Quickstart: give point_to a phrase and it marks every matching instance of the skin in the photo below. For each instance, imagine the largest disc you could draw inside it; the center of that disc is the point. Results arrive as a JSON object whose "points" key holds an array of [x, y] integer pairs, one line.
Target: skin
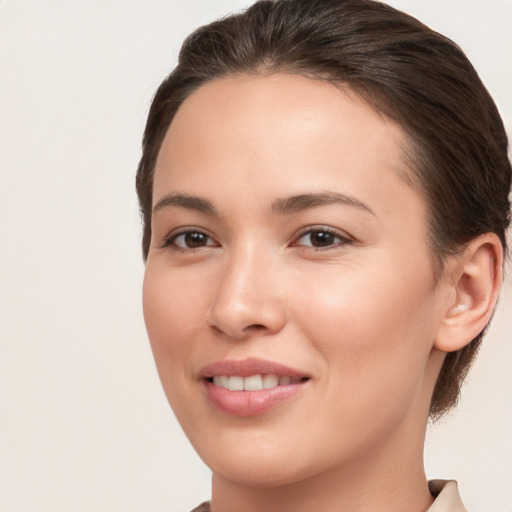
{"points": [[360, 316]]}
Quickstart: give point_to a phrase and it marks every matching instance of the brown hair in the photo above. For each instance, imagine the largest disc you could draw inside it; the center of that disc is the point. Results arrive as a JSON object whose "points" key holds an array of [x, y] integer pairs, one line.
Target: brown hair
{"points": [[405, 70]]}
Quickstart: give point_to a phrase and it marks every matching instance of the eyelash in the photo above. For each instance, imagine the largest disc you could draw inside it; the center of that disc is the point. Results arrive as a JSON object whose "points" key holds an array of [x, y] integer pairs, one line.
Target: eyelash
{"points": [[170, 240], [343, 239]]}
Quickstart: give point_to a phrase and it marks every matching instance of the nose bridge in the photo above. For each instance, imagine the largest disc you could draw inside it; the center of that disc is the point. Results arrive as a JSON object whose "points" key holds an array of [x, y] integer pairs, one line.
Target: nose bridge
{"points": [[246, 299]]}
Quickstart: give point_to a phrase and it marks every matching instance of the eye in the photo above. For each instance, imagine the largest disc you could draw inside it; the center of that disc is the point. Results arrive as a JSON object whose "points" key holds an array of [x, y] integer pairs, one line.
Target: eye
{"points": [[191, 239], [321, 238]]}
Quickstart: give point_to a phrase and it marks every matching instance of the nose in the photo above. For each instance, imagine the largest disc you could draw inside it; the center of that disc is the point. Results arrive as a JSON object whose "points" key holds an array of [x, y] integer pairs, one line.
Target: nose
{"points": [[247, 300]]}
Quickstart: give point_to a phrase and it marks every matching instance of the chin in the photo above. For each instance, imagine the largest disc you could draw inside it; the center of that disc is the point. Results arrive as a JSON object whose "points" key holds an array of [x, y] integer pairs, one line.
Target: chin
{"points": [[258, 473], [262, 464], [250, 459]]}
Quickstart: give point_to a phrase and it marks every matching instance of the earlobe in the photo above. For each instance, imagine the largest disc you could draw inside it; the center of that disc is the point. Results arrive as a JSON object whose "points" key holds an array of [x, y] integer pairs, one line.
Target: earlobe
{"points": [[476, 275]]}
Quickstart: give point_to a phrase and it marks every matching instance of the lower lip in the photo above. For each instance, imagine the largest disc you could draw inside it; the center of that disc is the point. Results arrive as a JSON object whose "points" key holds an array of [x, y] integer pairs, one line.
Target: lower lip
{"points": [[250, 403]]}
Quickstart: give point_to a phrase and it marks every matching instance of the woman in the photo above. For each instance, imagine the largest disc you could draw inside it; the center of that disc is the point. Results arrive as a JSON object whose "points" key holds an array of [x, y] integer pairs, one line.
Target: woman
{"points": [[324, 189]]}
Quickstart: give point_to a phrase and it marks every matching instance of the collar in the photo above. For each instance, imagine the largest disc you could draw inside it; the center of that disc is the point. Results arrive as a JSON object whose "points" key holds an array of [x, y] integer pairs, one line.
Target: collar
{"points": [[446, 495]]}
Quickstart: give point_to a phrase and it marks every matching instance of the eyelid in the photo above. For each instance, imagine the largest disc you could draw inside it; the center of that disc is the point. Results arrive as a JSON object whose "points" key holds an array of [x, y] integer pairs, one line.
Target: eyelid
{"points": [[344, 237], [168, 239]]}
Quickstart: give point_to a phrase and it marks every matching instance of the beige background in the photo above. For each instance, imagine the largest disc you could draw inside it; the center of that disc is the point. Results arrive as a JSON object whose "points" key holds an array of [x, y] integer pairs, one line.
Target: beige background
{"points": [[84, 425]]}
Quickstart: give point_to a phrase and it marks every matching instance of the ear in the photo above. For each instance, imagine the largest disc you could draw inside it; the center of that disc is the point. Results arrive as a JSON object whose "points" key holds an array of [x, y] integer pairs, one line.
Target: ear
{"points": [[474, 281]]}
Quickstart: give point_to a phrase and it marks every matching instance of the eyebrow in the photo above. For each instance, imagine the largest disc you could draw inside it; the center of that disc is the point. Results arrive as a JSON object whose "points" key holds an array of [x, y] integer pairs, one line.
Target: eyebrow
{"points": [[185, 201], [301, 202], [287, 205]]}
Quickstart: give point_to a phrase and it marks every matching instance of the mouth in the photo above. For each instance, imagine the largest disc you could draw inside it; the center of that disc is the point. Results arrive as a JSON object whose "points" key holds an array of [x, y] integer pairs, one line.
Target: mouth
{"points": [[254, 382], [250, 387]]}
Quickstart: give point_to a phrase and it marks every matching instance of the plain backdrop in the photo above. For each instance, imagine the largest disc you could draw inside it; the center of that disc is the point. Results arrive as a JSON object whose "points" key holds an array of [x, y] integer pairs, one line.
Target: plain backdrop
{"points": [[84, 425]]}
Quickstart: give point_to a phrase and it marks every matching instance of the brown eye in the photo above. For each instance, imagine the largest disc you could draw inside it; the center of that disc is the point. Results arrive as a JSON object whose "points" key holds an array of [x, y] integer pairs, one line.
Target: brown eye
{"points": [[321, 238], [191, 240]]}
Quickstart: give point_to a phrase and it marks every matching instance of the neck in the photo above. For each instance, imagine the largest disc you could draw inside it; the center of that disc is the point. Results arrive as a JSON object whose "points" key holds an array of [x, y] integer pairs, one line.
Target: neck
{"points": [[376, 483]]}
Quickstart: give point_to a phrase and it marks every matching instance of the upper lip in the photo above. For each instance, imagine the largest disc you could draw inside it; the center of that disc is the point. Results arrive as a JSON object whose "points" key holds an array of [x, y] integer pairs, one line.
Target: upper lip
{"points": [[248, 367]]}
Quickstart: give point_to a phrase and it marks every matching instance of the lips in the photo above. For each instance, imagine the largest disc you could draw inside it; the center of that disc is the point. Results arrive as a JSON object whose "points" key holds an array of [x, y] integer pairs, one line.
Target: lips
{"points": [[253, 382], [250, 387]]}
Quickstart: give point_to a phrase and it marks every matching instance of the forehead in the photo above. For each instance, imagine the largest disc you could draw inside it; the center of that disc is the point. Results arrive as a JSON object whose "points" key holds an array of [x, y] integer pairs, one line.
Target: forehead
{"points": [[279, 110], [281, 134]]}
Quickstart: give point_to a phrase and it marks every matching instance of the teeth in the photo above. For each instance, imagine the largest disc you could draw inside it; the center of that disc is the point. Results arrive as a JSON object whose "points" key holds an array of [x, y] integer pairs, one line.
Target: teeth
{"points": [[270, 381], [236, 383], [253, 382], [222, 381]]}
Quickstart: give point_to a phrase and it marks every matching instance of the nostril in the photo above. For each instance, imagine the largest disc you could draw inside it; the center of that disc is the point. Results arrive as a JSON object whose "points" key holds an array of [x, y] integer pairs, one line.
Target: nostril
{"points": [[255, 327], [215, 329], [238, 315]]}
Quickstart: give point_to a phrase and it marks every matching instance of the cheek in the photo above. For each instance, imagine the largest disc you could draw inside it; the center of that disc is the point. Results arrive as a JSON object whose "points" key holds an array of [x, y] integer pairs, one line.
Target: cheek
{"points": [[172, 313], [383, 306], [375, 332]]}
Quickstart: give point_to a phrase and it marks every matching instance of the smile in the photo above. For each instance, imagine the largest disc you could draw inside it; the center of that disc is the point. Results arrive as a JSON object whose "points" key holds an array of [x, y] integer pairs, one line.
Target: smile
{"points": [[253, 382], [250, 387]]}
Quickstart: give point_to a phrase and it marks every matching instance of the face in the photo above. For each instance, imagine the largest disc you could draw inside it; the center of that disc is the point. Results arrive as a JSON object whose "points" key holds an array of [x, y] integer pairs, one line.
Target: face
{"points": [[289, 295]]}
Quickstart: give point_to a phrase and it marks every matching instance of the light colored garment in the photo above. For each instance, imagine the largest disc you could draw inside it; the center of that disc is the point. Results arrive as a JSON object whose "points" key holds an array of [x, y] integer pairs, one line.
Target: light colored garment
{"points": [[445, 492], [447, 496]]}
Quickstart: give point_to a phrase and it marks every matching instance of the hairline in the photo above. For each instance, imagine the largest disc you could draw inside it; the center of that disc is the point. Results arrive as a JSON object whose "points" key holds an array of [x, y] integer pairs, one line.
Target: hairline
{"points": [[409, 146]]}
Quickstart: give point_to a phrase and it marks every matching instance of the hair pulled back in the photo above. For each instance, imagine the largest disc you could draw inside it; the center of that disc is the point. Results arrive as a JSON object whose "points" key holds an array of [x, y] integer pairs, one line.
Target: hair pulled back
{"points": [[457, 145]]}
